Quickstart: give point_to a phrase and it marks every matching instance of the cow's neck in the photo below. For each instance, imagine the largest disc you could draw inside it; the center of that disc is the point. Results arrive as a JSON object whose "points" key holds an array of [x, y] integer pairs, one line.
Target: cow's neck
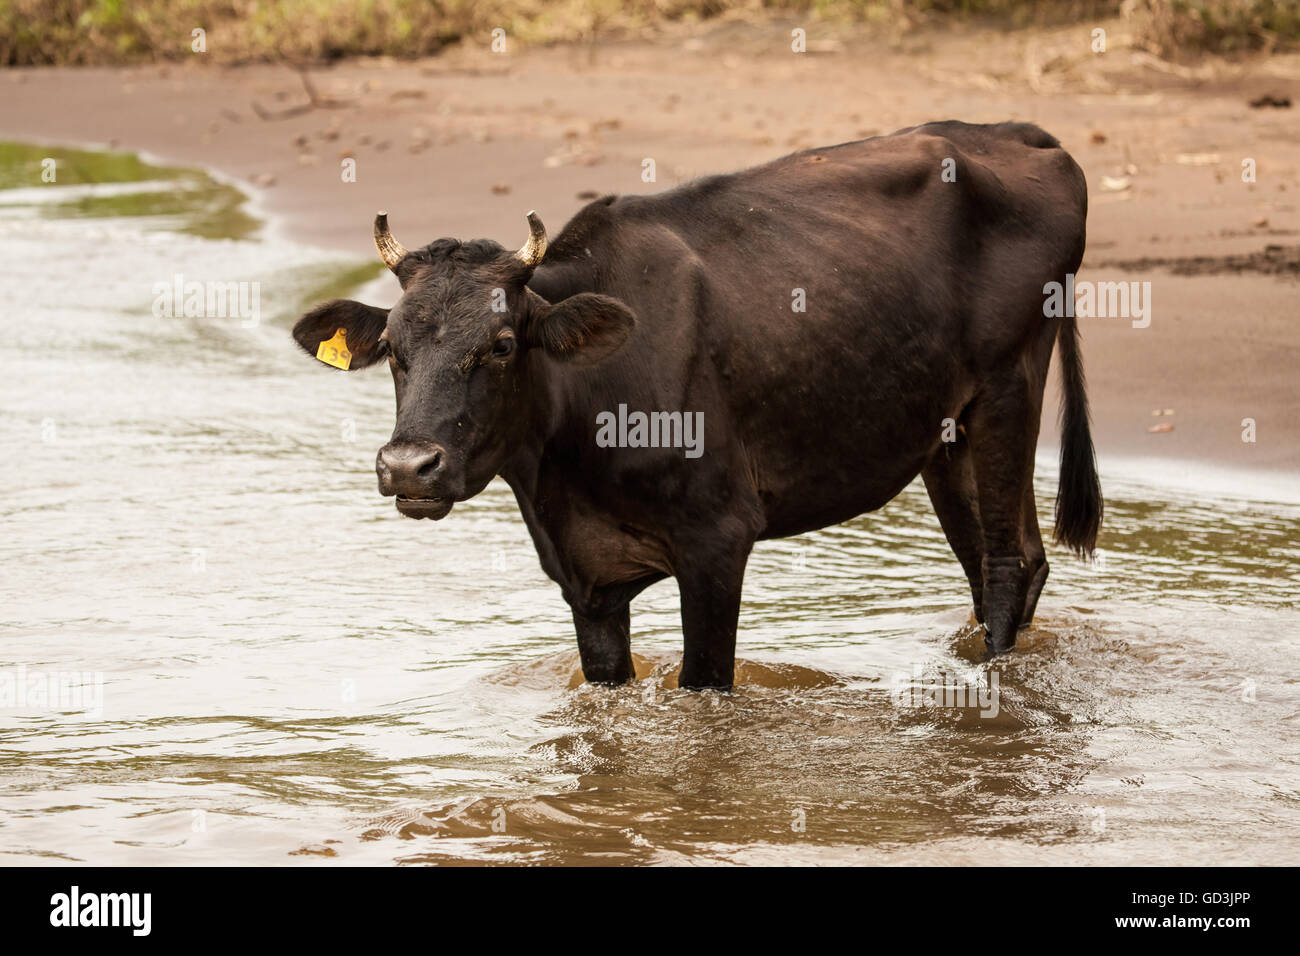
{"points": [[546, 401]]}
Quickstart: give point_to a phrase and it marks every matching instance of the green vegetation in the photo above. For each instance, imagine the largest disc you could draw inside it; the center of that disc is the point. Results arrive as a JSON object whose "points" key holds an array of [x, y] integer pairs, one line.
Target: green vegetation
{"points": [[201, 205], [334, 282], [120, 31], [20, 166]]}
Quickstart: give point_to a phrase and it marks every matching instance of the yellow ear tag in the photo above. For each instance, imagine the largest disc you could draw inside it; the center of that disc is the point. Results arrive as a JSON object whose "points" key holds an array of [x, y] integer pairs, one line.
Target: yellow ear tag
{"points": [[335, 351]]}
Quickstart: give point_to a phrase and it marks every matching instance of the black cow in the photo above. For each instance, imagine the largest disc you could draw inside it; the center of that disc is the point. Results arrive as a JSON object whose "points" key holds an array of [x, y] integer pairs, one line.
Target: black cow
{"points": [[919, 260]]}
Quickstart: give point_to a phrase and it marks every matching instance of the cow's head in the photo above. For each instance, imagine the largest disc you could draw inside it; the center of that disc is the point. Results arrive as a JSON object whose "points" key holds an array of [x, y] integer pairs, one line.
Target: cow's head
{"points": [[465, 343]]}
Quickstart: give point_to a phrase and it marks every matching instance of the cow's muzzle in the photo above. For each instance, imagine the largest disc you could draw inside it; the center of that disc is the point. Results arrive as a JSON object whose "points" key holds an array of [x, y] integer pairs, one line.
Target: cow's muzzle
{"points": [[434, 508], [415, 473]]}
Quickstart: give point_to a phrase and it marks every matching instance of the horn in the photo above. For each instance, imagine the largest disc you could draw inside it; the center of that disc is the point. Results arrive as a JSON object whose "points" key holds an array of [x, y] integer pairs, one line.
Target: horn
{"points": [[390, 250], [533, 250]]}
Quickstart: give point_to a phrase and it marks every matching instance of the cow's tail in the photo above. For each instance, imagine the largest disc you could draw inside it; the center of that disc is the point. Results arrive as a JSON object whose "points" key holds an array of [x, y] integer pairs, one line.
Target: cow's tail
{"points": [[1078, 493]]}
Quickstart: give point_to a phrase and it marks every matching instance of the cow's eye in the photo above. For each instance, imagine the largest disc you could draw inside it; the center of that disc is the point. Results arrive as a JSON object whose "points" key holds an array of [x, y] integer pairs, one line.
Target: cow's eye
{"points": [[395, 363], [503, 346]]}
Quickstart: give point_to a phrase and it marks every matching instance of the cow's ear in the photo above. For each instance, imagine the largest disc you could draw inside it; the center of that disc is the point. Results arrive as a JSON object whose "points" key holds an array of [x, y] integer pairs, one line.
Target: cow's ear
{"points": [[582, 329], [360, 324]]}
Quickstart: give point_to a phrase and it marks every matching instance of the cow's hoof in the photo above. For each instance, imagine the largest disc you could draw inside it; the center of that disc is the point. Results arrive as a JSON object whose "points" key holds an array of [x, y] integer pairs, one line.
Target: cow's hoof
{"points": [[1001, 643], [608, 681]]}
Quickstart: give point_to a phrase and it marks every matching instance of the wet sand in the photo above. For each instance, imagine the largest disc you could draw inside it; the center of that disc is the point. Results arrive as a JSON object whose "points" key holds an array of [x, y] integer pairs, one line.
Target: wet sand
{"points": [[464, 144]]}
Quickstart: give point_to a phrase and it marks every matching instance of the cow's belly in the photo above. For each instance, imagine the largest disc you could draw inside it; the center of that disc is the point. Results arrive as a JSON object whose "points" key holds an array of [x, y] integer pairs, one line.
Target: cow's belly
{"points": [[836, 446], [827, 493]]}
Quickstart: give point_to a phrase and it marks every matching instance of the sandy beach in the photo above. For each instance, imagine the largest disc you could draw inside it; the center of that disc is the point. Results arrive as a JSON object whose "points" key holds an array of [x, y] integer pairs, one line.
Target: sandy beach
{"points": [[465, 143]]}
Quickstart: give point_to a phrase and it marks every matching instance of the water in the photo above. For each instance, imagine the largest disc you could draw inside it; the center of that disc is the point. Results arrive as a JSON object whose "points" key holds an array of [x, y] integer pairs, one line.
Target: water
{"points": [[293, 673]]}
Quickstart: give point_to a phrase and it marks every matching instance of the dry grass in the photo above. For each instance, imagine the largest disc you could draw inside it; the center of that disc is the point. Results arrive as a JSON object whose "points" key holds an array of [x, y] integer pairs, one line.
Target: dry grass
{"points": [[125, 31], [1176, 28]]}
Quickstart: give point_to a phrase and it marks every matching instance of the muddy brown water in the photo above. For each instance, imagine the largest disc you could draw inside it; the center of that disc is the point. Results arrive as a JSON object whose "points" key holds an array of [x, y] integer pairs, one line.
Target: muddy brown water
{"points": [[290, 672]]}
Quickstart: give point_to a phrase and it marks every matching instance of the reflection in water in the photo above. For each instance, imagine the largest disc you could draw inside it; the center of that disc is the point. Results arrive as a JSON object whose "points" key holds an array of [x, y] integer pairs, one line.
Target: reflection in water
{"points": [[294, 673]]}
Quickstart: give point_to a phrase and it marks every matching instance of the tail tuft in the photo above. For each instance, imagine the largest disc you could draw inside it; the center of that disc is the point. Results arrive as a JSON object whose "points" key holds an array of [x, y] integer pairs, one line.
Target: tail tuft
{"points": [[1079, 503]]}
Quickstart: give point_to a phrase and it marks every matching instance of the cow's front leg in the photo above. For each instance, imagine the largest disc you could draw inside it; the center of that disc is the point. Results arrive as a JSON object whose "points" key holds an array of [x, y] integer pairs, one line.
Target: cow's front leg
{"points": [[605, 646], [710, 593]]}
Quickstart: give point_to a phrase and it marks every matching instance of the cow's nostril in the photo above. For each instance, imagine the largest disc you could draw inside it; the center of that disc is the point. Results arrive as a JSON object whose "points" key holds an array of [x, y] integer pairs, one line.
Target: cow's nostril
{"points": [[430, 465]]}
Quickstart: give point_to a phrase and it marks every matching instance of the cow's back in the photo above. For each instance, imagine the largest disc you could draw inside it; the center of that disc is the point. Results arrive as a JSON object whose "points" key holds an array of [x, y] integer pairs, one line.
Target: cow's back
{"points": [[826, 309]]}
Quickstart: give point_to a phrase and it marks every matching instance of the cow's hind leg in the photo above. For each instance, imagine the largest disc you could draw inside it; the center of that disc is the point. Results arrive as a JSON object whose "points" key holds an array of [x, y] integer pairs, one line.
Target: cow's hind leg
{"points": [[1036, 556], [950, 481], [1003, 430]]}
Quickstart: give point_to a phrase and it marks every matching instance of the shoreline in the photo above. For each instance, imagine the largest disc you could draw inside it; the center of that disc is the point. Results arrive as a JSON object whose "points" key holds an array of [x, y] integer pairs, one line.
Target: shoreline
{"points": [[1186, 476], [1224, 343]]}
